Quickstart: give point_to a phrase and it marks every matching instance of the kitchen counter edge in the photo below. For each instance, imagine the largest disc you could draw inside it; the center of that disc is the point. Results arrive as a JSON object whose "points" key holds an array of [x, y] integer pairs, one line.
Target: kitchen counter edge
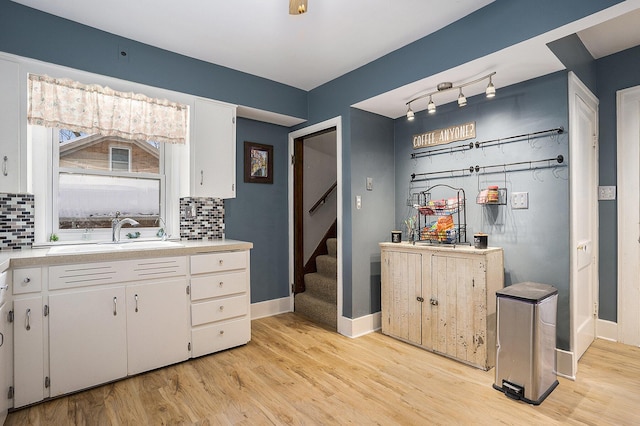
{"points": [[38, 256]]}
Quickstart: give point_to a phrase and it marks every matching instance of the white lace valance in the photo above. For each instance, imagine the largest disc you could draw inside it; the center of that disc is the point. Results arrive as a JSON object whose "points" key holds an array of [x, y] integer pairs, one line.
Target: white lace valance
{"points": [[68, 104]]}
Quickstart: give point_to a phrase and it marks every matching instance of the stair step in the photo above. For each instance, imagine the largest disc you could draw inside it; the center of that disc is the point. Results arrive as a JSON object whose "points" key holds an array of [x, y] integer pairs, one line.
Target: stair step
{"points": [[321, 287], [316, 309], [332, 246], [327, 266]]}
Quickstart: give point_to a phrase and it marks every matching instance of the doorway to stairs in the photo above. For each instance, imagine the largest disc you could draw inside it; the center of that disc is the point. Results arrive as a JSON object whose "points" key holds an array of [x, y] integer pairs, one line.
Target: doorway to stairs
{"points": [[316, 285]]}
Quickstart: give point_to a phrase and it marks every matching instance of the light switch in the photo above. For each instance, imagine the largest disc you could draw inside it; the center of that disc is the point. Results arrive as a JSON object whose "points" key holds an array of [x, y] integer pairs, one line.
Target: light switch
{"points": [[358, 202], [369, 184]]}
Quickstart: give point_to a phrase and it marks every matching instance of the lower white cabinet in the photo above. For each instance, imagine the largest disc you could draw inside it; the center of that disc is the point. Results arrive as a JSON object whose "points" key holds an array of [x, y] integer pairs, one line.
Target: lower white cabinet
{"points": [[87, 338], [157, 324], [5, 359], [28, 351]]}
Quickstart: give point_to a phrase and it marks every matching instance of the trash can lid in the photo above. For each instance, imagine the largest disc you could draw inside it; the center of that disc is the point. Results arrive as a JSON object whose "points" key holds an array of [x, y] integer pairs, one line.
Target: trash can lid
{"points": [[528, 292]]}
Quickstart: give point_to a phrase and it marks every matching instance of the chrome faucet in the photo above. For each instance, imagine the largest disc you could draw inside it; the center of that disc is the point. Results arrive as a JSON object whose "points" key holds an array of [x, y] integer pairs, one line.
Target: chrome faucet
{"points": [[162, 232], [117, 224]]}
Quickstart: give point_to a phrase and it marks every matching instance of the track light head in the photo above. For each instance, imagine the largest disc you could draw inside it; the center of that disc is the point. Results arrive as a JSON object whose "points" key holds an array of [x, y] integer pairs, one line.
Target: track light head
{"points": [[491, 89], [431, 107], [410, 114], [462, 100]]}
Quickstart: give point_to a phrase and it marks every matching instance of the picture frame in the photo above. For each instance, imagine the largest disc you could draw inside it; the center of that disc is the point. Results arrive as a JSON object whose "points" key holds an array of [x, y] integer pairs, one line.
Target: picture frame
{"points": [[258, 162]]}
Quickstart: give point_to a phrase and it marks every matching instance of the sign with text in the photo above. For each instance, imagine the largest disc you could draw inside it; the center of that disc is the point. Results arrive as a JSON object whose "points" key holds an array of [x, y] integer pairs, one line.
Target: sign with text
{"points": [[456, 133]]}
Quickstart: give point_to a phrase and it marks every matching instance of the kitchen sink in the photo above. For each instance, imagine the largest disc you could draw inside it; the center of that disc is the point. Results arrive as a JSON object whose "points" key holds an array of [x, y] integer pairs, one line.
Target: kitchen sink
{"points": [[111, 247]]}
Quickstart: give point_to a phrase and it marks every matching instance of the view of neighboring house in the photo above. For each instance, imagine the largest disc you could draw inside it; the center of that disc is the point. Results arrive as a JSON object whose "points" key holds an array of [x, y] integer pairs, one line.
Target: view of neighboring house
{"points": [[132, 168]]}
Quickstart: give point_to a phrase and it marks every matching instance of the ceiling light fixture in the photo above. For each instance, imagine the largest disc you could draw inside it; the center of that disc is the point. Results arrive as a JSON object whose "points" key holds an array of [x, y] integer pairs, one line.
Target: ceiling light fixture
{"points": [[297, 7], [445, 87], [410, 114]]}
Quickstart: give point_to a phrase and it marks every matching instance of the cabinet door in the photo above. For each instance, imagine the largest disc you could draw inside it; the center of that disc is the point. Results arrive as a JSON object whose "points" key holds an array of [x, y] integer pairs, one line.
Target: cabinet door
{"points": [[28, 351], [9, 127], [5, 361], [157, 324], [452, 313], [88, 340], [213, 150], [401, 291]]}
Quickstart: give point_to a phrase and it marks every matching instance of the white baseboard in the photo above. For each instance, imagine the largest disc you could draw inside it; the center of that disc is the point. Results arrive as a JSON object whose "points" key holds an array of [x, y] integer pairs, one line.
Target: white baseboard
{"points": [[270, 307], [360, 326], [565, 364], [607, 330]]}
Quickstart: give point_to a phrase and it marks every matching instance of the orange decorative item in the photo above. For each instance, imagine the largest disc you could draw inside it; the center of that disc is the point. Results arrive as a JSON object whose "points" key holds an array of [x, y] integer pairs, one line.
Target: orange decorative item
{"points": [[493, 195]]}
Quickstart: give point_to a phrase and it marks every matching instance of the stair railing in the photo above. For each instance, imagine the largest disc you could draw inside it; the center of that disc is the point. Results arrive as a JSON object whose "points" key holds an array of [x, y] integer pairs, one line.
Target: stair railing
{"points": [[323, 199]]}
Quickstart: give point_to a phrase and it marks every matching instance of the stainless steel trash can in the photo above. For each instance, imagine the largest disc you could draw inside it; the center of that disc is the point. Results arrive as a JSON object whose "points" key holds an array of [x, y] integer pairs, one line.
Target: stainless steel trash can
{"points": [[526, 341]]}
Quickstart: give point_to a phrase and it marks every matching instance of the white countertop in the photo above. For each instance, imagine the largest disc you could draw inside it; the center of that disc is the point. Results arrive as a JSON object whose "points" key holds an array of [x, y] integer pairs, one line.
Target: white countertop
{"points": [[39, 256]]}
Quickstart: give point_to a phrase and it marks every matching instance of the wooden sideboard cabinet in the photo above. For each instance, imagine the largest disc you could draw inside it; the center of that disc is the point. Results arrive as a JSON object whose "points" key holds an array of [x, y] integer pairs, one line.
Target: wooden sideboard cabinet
{"points": [[442, 299]]}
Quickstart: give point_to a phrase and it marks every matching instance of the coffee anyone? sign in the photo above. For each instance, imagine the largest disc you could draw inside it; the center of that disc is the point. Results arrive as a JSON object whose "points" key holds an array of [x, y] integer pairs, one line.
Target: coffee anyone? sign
{"points": [[456, 133]]}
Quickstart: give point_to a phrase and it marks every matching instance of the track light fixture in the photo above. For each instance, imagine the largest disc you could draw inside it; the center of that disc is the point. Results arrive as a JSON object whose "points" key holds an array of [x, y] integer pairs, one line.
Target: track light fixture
{"points": [[490, 92], [297, 7]]}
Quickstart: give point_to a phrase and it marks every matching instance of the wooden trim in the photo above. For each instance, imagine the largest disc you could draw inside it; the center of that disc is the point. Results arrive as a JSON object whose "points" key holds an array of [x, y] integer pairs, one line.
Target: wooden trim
{"points": [[298, 215]]}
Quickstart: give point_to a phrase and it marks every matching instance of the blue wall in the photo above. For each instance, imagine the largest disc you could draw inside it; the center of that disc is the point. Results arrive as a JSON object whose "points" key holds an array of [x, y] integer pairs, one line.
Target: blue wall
{"points": [[372, 137], [535, 240], [259, 213], [615, 72]]}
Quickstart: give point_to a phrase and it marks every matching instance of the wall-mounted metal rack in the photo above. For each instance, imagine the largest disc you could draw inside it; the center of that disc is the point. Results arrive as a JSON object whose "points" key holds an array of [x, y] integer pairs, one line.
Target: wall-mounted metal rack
{"points": [[479, 144]]}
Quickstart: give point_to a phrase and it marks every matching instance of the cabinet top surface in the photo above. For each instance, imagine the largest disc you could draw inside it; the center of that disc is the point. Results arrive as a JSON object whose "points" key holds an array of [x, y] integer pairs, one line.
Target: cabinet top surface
{"points": [[41, 257], [449, 248]]}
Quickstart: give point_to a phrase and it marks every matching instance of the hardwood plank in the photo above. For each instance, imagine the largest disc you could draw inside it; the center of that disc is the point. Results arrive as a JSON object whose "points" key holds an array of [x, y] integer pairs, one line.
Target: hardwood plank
{"points": [[294, 372]]}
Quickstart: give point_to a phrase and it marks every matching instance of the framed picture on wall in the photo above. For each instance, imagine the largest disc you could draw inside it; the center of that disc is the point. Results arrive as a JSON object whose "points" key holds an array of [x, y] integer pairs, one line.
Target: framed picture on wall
{"points": [[258, 163]]}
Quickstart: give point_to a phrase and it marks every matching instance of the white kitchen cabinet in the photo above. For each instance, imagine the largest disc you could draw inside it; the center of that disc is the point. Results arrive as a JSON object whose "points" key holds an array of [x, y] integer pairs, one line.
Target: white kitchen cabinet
{"points": [[443, 299], [87, 338], [213, 150], [220, 301], [158, 331], [6, 373], [28, 351], [9, 127]]}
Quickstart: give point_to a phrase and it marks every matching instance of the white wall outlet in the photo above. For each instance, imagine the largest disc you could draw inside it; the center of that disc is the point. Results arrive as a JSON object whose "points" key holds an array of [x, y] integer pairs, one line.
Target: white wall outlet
{"points": [[369, 184], [358, 202], [606, 193], [520, 200]]}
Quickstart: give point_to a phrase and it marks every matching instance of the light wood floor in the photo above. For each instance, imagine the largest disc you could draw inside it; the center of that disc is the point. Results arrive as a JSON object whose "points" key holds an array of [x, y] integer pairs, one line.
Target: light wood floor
{"points": [[294, 372]]}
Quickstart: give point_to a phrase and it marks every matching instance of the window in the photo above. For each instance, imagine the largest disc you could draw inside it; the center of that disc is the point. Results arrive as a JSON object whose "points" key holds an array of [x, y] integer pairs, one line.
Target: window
{"points": [[96, 179], [120, 159]]}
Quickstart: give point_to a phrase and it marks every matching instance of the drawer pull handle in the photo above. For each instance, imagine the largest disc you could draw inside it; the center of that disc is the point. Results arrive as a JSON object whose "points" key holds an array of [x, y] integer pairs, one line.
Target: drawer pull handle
{"points": [[115, 306], [221, 308], [26, 280], [220, 262], [201, 177], [136, 297], [28, 319], [5, 172], [434, 302], [221, 284], [1, 339], [4, 287], [221, 332]]}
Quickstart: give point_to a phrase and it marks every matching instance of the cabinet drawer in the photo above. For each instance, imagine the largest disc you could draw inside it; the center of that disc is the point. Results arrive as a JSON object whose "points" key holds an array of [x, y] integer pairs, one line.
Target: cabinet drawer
{"points": [[220, 336], [217, 262], [217, 310], [209, 286], [27, 280]]}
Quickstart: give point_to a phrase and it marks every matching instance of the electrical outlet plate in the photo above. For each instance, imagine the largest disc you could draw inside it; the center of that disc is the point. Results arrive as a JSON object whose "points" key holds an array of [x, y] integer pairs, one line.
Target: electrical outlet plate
{"points": [[606, 193], [519, 200]]}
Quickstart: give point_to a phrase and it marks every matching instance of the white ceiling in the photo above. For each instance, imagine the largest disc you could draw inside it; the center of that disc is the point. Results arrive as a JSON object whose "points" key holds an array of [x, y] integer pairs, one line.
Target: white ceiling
{"points": [[334, 37]]}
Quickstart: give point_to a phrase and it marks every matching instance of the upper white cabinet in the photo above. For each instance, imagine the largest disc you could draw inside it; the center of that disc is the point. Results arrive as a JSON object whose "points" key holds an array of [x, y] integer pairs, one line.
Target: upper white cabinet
{"points": [[9, 127], [213, 150]]}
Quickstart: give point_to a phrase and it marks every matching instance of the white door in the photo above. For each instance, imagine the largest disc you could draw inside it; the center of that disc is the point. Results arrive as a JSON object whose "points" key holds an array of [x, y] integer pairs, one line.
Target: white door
{"points": [[87, 339], [583, 147], [157, 324], [28, 351], [628, 112]]}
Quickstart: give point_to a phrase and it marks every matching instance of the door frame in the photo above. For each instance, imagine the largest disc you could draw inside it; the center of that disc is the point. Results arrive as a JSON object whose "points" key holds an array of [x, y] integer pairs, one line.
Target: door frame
{"points": [[628, 200], [301, 133], [577, 88]]}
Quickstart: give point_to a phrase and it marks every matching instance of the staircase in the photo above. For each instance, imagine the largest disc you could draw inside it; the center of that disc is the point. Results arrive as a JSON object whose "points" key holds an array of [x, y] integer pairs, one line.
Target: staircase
{"points": [[319, 300]]}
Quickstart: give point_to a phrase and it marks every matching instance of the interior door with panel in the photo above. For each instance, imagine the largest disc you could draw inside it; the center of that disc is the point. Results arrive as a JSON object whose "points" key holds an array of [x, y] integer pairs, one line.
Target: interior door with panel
{"points": [[88, 338], [157, 324], [583, 112]]}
